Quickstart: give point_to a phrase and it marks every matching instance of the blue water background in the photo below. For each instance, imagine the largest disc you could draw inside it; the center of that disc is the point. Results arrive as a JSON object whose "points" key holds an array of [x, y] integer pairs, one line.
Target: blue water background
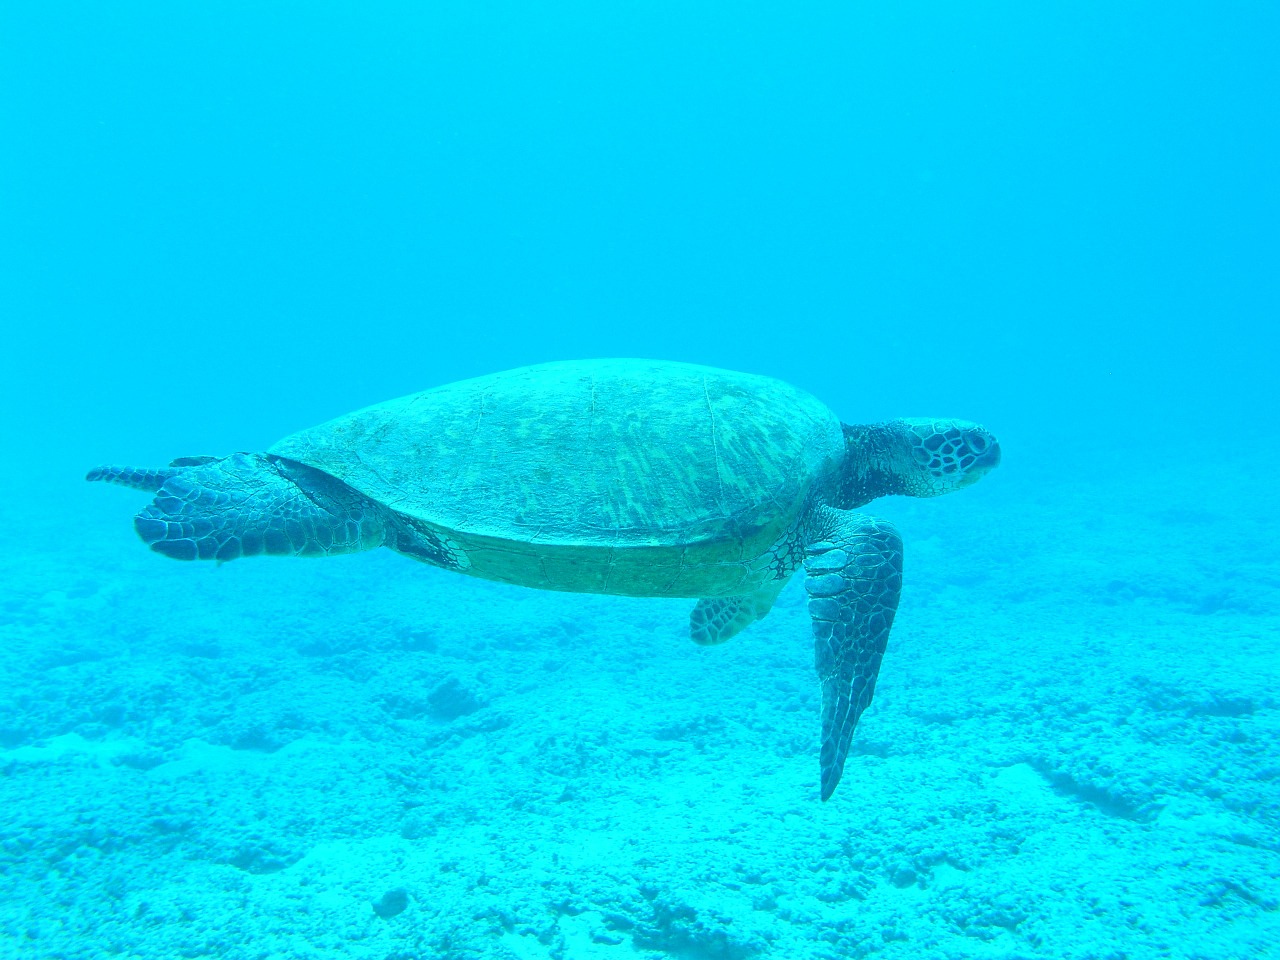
{"points": [[223, 223]]}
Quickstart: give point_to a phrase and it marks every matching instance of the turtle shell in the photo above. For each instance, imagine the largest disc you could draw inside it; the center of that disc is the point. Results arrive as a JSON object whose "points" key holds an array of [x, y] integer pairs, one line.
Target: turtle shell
{"points": [[589, 454]]}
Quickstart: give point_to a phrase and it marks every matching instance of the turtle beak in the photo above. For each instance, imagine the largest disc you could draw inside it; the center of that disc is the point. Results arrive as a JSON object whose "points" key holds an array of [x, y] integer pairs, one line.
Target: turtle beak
{"points": [[983, 463], [989, 459]]}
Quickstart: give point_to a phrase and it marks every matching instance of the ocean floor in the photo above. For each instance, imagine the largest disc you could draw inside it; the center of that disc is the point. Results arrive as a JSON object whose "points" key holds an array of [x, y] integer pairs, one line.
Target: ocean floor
{"points": [[1074, 750]]}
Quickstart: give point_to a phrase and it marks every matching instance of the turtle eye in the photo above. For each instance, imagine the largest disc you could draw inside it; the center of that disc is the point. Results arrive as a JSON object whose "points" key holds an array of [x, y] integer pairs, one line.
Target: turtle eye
{"points": [[977, 443]]}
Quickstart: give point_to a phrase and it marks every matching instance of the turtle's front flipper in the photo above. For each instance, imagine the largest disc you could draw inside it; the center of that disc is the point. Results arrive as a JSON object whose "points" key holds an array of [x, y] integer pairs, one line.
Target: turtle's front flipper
{"points": [[853, 578], [716, 619], [246, 504]]}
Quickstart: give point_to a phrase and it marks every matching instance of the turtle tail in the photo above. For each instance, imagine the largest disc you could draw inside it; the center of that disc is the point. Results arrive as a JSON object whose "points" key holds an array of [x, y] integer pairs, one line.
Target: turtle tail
{"points": [[136, 477], [221, 508]]}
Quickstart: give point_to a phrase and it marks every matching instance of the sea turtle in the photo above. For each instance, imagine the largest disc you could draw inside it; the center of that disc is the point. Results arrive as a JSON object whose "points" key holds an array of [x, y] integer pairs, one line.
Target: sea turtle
{"points": [[631, 477]]}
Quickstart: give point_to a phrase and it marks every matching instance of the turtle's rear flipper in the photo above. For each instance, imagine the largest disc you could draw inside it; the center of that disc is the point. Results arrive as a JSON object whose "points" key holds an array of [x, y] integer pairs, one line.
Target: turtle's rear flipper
{"points": [[716, 619], [247, 504], [853, 578]]}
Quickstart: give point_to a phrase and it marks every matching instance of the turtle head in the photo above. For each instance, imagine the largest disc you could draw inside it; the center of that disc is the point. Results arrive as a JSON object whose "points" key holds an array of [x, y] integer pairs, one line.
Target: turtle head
{"points": [[914, 457], [945, 455]]}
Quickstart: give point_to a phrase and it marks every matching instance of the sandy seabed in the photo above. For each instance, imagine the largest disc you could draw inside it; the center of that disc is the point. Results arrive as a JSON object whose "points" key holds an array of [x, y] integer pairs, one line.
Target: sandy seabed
{"points": [[1074, 751]]}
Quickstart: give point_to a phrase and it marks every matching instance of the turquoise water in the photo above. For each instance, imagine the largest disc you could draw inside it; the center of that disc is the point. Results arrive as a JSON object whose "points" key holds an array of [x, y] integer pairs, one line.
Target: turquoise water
{"points": [[222, 225]]}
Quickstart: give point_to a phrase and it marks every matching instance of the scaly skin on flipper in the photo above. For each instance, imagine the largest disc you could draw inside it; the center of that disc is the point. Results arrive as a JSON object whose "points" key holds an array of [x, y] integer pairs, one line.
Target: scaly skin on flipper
{"points": [[853, 578], [715, 619], [247, 504]]}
